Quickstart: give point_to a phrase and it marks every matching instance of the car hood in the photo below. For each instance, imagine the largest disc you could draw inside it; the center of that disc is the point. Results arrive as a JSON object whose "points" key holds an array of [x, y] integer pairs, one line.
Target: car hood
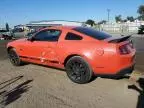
{"points": [[17, 41], [21, 40]]}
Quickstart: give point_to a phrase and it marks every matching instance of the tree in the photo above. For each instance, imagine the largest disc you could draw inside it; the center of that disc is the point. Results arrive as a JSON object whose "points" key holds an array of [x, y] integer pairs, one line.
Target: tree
{"points": [[7, 27], [141, 12], [130, 18], [141, 17], [90, 22], [118, 18], [125, 20]]}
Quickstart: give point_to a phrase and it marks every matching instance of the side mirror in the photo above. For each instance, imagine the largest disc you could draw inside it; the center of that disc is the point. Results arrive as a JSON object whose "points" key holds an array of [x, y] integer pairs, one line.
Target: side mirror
{"points": [[31, 38]]}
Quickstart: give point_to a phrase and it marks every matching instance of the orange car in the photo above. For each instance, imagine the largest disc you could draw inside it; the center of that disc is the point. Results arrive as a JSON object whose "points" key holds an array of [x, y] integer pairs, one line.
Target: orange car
{"points": [[82, 51]]}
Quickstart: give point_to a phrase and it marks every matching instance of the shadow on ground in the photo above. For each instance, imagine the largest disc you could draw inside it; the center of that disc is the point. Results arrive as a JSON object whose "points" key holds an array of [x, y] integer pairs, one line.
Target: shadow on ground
{"points": [[9, 96], [140, 89], [8, 82]]}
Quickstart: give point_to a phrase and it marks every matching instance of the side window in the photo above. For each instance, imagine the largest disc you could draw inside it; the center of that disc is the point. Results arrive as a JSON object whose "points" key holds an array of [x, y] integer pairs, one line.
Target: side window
{"points": [[48, 35], [72, 36]]}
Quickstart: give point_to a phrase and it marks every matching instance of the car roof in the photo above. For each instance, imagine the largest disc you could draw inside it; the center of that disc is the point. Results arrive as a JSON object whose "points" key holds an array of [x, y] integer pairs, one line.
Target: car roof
{"points": [[60, 27]]}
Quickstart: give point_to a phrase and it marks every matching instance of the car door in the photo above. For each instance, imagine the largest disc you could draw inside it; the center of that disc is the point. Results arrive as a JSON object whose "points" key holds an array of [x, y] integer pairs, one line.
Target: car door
{"points": [[42, 48]]}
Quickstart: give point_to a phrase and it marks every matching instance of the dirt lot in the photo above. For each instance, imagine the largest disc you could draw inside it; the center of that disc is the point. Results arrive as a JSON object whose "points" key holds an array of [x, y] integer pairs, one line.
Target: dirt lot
{"points": [[33, 86]]}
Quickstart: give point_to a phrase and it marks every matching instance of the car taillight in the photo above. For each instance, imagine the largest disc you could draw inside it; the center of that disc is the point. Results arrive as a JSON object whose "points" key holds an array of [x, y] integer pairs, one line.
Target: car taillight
{"points": [[124, 50]]}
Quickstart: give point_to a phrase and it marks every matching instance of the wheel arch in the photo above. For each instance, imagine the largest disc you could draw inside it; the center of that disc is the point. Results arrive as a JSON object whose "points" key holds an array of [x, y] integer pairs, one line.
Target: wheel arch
{"points": [[9, 47], [70, 56]]}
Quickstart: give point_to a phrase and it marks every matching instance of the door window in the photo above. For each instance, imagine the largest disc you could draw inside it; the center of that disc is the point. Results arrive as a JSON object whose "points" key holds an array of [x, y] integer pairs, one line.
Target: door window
{"points": [[48, 35]]}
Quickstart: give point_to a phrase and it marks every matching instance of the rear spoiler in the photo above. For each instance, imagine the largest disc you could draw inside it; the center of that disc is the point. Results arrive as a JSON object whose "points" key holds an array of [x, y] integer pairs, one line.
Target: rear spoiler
{"points": [[121, 39]]}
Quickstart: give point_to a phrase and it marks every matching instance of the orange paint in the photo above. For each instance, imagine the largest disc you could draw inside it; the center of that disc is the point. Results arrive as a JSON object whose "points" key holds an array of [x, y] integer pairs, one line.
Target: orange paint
{"points": [[102, 56]]}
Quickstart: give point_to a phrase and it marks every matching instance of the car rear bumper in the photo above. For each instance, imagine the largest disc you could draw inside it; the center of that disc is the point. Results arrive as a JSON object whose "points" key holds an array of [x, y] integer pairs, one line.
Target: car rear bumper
{"points": [[126, 71], [115, 65], [123, 72]]}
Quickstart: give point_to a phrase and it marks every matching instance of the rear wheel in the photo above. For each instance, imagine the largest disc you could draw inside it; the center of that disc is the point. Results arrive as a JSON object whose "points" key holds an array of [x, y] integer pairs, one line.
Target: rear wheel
{"points": [[78, 70], [14, 58]]}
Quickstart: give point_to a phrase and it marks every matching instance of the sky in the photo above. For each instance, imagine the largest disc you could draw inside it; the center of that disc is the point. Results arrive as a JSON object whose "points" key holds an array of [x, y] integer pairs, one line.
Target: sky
{"points": [[23, 11]]}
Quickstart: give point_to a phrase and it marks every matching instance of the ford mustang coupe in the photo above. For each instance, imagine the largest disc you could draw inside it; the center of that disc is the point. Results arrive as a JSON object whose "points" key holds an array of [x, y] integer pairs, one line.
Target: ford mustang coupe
{"points": [[81, 51]]}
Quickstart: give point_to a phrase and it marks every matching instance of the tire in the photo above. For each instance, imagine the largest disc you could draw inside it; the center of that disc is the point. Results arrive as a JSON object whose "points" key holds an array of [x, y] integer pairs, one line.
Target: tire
{"points": [[14, 58], [78, 70]]}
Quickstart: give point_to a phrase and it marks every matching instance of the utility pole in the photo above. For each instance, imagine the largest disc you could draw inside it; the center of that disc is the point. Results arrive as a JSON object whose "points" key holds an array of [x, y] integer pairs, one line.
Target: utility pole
{"points": [[108, 12], [0, 22]]}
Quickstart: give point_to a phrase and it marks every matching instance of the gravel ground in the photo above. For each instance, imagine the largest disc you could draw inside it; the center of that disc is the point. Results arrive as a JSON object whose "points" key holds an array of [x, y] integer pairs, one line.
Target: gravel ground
{"points": [[34, 86]]}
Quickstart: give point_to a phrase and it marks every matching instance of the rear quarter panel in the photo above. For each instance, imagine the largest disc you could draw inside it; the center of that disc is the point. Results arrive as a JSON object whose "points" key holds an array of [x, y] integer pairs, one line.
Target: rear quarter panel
{"points": [[88, 48]]}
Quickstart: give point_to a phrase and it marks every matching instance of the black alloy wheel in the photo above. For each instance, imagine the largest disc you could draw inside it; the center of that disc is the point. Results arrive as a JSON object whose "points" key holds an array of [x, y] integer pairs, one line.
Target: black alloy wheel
{"points": [[78, 70], [14, 58]]}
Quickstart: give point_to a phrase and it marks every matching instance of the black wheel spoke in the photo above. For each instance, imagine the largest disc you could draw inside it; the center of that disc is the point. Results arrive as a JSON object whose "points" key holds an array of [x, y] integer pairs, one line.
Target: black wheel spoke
{"points": [[78, 77], [82, 71]]}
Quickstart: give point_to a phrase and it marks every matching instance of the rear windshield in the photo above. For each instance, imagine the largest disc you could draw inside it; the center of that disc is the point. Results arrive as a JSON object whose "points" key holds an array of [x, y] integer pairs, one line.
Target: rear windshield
{"points": [[92, 33]]}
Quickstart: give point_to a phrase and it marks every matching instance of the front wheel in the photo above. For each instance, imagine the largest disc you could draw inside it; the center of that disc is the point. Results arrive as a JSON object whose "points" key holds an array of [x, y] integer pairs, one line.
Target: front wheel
{"points": [[14, 58], [78, 70]]}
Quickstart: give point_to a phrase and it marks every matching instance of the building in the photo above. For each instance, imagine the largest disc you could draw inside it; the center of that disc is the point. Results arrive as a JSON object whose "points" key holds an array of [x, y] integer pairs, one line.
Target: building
{"points": [[48, 23], [122, 27]]}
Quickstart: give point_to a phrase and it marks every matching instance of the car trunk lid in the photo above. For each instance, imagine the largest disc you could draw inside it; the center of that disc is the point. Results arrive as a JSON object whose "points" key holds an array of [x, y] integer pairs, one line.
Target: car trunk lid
{"points": [[118, 39], [123, 43]]}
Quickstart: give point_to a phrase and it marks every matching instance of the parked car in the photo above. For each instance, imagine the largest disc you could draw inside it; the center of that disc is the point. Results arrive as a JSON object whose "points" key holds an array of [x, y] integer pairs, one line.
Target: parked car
{"points": [[82, 51], [15, 30], [6, 35], [141, 29]]}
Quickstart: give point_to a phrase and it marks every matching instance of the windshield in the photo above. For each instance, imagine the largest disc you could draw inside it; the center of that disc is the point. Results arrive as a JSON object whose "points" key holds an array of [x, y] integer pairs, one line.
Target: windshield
{"points": [[30, 34], [92, 33]]}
